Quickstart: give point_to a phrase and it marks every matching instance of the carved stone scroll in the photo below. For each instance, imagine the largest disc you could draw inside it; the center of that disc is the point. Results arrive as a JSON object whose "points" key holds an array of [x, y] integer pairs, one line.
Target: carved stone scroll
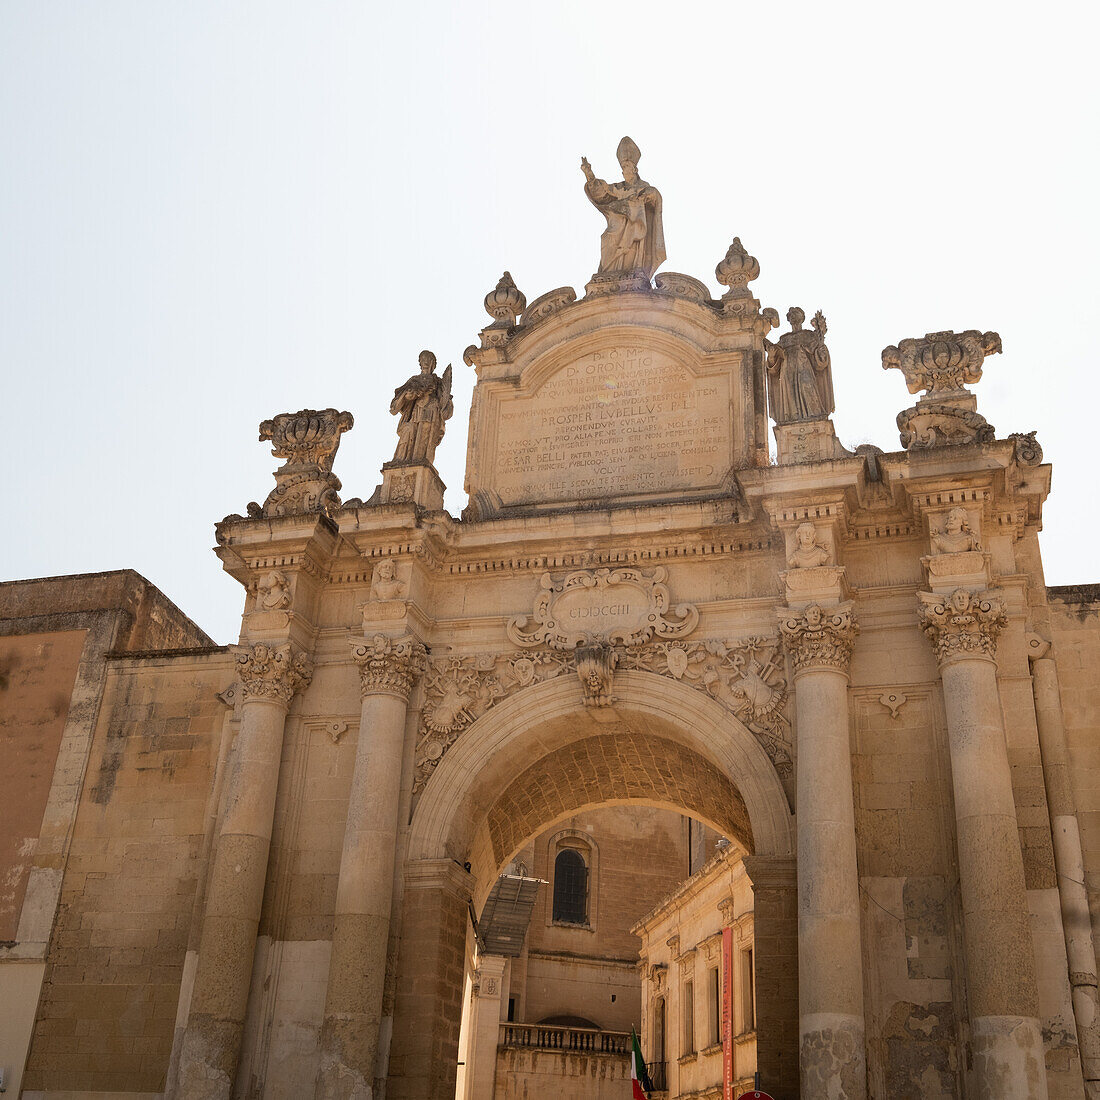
{"points": [[272, 673], [964, 624], [818, 637], [388, 666], [618, 606], [942, 363]]}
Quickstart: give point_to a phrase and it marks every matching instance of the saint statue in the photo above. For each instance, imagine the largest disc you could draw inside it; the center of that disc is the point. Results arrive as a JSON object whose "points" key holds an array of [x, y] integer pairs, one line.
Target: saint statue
{"points": [[634, 241], [424, 405], [800, 381]]}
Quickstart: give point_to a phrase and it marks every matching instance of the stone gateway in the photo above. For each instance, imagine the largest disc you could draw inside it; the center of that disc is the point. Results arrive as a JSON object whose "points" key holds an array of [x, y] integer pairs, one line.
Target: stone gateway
{"points": [[780, 752]]}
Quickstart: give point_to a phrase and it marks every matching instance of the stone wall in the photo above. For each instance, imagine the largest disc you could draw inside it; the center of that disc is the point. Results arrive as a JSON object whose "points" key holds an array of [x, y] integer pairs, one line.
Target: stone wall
{"points": [[534, 1074]]}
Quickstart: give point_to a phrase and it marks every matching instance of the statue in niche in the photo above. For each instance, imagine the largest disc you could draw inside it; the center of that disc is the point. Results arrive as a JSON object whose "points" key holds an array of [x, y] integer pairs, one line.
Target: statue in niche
{"points": [[809, 553], [634, 241], [800, 379], [956, 536], [384, 584], [424, 405]]}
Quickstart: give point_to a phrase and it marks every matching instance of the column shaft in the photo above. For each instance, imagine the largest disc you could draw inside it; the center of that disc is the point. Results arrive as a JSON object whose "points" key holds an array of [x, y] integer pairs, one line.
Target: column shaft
{"points": [[215, 1023], [830, 961], [1070, 866], [357, 973], [1006, 1043]]}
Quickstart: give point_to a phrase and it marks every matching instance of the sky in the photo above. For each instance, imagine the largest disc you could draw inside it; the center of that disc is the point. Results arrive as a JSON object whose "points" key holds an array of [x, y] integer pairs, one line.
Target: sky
{"points": [[213, 212]]}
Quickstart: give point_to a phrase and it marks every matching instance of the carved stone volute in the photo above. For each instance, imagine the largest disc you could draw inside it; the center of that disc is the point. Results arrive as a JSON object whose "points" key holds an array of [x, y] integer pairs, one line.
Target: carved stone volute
{"points": [[272, 673], [388, 666], [963, 625], [818, 637]]}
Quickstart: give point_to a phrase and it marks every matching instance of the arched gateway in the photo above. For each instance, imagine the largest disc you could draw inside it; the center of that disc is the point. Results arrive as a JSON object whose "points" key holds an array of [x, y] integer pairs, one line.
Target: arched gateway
{"points": [[822, 654], [541, 756]]}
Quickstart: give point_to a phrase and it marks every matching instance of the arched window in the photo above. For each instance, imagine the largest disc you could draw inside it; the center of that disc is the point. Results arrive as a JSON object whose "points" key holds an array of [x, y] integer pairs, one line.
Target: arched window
{"points": [[570, 887]]}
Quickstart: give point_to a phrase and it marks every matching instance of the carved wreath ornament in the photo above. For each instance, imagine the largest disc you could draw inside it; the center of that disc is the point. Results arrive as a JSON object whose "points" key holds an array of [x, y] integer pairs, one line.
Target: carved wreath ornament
{"points": [[744, 676], [620, 606]]}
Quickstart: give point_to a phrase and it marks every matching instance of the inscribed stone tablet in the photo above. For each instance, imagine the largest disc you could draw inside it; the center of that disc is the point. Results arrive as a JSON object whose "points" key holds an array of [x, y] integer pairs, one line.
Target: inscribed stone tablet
{"points": [[622, 421]]}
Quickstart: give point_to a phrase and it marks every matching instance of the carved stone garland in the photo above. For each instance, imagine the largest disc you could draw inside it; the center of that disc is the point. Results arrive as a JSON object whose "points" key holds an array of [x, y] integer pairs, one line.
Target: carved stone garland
{"points": [[744, 676], [273, 673], [388, 666], [964, 624]]}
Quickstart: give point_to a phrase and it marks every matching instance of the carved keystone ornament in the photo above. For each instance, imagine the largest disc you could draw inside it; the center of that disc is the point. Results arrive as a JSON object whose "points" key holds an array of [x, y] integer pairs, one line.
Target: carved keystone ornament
{"points": [[619, 606]]}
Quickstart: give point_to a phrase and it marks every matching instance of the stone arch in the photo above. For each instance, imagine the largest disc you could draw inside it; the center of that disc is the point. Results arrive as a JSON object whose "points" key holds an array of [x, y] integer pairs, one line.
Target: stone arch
{"points": [[537, 758], [540, 720]]}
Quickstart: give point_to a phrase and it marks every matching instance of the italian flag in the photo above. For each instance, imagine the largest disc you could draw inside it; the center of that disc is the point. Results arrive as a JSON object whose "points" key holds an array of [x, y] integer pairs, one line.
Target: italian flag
{"points": [[639, 1078]]}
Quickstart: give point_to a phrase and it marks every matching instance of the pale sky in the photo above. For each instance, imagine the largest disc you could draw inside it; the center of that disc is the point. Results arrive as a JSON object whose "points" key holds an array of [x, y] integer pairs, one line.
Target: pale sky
{"points": [[211, 213]]}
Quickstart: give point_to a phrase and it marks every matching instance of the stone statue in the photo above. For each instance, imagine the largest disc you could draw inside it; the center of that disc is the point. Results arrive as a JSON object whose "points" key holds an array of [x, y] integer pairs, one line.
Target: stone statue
{"points": [[809, 553], [800, 380], [424, 405], [634, 241], [384, 583], [955, 537]]}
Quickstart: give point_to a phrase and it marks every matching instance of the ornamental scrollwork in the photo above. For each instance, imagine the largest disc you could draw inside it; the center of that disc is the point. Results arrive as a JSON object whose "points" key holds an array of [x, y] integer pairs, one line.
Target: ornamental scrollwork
{"points": [[388, 666], [272, 673], [617, 606], [964, 624], [817, 637], [746, 677]]}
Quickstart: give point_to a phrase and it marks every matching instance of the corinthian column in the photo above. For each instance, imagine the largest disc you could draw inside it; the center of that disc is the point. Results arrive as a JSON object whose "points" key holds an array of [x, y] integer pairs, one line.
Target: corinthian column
{"points": [[832, 1061], [1002, 995], [364, 896], [269, 676]]}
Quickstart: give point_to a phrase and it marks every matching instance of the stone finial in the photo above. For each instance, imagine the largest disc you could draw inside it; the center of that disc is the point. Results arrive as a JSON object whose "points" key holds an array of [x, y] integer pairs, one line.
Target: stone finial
{"points": [[964, 624], [308, 440], [272, 673], [942, 363], [817, 637], [388, 666], [423, 405], [736, 270], [505, 303], [595, 666]]}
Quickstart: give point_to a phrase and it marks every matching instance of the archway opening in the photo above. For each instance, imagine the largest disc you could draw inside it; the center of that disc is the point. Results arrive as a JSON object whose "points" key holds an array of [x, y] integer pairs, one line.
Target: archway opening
{"points": [[638, 821]]}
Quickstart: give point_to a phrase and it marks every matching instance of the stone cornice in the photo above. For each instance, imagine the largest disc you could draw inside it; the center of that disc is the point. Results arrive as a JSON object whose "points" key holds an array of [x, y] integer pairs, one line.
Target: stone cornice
{"points": [[964, 625], [817, 637], [388, 666], [272, 673]]}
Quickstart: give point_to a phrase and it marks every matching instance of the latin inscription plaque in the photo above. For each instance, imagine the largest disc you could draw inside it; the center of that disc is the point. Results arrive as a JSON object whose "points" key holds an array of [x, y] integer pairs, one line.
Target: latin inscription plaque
{"points": [[616, 422]]}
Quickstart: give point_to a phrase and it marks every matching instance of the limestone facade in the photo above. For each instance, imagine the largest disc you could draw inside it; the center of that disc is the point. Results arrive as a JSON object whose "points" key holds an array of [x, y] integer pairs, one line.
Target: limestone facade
{"points": [[249, 870]]}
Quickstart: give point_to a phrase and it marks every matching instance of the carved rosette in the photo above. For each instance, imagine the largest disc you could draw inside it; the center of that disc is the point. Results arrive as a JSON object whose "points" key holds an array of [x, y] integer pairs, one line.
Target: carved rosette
{"points": [[272, 673], [388, 666], [963, 625], [817, 637]]}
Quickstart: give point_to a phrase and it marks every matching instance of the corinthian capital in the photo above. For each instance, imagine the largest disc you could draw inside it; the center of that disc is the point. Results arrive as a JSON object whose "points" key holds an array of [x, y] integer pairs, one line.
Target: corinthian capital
{"points": [[817, 637], [964, 624], [273, 673], [388, 666]]}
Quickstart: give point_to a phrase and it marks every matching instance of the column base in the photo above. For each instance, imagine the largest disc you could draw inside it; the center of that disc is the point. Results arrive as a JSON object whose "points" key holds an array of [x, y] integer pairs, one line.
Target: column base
{"points": [[832, 1057], [1009, 1063]]}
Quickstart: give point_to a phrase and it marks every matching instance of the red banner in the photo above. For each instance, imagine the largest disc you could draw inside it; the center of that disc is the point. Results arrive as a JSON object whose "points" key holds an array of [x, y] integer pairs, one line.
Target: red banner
{"points": [[727, 1014]]}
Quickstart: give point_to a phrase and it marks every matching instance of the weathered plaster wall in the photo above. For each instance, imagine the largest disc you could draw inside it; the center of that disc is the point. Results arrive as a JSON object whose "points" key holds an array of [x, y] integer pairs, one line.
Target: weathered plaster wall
{"points": [[535, 1074]]}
